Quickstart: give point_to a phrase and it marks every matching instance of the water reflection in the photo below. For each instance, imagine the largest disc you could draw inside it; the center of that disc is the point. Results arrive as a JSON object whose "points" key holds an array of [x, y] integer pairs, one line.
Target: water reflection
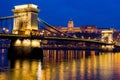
{"points": [[24, 70], [63, 65]]}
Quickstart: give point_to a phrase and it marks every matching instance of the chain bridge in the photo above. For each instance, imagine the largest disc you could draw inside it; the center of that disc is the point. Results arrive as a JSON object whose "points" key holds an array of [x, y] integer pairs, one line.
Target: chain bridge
{"points": [[25, 25]]}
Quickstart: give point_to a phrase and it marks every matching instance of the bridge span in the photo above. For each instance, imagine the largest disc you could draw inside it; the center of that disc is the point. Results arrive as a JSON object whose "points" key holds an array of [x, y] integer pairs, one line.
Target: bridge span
{"points": [[26, 21], [16, 36]]}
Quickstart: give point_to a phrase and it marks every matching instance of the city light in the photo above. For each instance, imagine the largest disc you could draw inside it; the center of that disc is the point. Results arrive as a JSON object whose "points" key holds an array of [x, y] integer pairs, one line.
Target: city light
{"points": [[26, 42], [4, 28], [34, 6], [39, 72], [18, 42], [26, 6], [21, 6], [35, 43]]}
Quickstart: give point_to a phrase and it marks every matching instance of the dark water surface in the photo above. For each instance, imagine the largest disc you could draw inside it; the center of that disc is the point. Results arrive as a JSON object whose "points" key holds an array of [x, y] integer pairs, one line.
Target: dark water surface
{"points": [[62, 65]]}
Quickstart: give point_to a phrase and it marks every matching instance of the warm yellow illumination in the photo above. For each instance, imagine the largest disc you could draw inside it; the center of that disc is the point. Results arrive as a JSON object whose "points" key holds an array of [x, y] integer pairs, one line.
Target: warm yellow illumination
{"points": [[21, 6], [17, 65], [27, 32], [39, 72], [35, 43], [26, 42], [61, 71], [25, 6], [107, 31], [14, 32], [107, 36], [3, 76], [28, 18], [108, 47], [33, 6], [34, 28], [7, 30], [18, 42], [73, 69]]}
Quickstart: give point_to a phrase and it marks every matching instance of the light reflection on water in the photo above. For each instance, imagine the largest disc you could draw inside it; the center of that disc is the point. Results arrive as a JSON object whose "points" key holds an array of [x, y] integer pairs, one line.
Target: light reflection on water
{"points": [[62, 65]]}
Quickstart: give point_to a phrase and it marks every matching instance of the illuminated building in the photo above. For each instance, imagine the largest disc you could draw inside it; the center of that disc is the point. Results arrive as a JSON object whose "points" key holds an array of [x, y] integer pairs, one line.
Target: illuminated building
{"points": [[75, 31], [89, 29], [70, 28]]}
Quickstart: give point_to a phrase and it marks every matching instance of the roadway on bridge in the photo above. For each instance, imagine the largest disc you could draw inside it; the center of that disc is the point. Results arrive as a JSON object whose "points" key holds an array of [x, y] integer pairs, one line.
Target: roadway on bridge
{"points": [[16, 36]]}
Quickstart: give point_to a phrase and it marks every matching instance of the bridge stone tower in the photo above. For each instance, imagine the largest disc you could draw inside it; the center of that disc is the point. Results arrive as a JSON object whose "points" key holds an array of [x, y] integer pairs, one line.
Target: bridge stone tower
{"points": [[107, 36], [25, 23], [27, 20]]}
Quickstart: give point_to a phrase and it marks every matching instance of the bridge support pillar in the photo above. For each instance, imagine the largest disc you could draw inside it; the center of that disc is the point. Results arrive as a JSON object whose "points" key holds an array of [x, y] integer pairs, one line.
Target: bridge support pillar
{"points": [[27, 43], [25, 23], [25, 49]]}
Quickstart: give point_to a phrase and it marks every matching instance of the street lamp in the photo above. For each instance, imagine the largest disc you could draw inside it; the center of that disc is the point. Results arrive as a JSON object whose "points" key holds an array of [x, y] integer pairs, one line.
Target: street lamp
{"points": [[5, 30]]}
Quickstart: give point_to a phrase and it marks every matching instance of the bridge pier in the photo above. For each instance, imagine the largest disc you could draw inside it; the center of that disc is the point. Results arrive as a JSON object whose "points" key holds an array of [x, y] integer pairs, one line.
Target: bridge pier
{"points": [[25, 49], [25, 25]]}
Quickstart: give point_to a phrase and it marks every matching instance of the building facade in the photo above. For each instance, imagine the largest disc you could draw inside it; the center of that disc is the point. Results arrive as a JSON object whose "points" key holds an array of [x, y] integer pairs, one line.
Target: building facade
{"points": [[71, 29]]}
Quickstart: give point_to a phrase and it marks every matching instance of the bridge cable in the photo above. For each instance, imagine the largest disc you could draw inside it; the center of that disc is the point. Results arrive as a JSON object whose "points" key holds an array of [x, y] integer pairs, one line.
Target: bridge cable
{"points": [[41, 27], [42, 21], [8, 17], [48, 25], [47, 29]]}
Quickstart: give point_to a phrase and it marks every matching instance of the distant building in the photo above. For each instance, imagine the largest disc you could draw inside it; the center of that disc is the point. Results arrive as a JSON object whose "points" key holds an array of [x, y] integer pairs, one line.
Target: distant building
{"points": [[70, 28], [82, 29], [87, 31]]}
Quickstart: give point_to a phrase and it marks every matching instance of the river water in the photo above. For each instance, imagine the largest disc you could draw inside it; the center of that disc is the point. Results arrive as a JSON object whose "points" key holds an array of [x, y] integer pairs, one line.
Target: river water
{"points": [[62, 65]]}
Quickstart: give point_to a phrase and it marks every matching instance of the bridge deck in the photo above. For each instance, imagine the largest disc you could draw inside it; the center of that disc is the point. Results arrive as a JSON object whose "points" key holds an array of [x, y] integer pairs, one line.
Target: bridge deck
{"points": [[14, 36]]}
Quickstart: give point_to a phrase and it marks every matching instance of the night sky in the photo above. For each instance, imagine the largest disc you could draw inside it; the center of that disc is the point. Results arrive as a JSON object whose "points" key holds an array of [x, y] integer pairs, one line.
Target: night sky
{"points": [[102, 13]]}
